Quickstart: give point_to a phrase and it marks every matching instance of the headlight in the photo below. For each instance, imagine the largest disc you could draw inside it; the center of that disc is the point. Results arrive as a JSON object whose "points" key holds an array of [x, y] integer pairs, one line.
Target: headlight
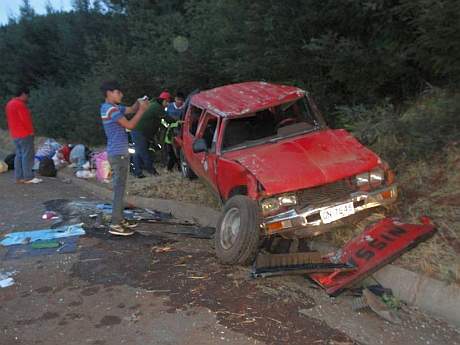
{"points": [[362, 179], [287, 200], [131, 150], [372, 179], [377, 176], [271, 205]]}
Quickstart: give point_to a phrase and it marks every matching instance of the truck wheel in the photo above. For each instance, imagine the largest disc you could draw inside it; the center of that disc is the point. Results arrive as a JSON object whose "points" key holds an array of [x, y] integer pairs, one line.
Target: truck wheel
{"points": [[185, 168], [238, 235]]}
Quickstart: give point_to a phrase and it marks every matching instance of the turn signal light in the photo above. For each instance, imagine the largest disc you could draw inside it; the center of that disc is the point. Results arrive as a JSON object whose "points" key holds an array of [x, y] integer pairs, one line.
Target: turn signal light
{"points": [[387, 194], [274, 227]]}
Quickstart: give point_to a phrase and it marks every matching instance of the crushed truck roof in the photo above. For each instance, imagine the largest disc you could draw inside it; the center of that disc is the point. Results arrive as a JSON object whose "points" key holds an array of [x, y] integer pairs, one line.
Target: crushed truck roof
{"points": [[244, 98]]}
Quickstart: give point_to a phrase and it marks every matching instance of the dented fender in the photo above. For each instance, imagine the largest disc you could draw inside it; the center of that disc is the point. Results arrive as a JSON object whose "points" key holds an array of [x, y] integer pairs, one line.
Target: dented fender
{"points": [[231, 175]]}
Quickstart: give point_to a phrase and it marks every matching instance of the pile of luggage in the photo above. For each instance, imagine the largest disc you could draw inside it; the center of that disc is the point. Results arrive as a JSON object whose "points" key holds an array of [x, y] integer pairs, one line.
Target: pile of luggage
{"points": [[52, 156]]}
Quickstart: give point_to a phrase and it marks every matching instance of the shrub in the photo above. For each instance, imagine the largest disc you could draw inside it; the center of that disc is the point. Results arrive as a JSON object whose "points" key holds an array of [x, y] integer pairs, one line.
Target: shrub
{"points": [[422, 130]]}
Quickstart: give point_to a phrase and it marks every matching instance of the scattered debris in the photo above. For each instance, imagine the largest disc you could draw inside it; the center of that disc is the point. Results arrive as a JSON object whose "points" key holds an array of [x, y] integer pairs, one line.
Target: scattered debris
{"points": [[50, 215], [65, 245], [380, 308], [194, 232], [25, 237], [372, 301], [45, 244], [139, 214], [390, 240], [359, 303], [162, 249], [295, 263], [5, 279]]}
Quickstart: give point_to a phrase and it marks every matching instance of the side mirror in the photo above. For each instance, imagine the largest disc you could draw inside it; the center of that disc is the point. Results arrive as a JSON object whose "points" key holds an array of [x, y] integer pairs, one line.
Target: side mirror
{"points": [[199, 145]]}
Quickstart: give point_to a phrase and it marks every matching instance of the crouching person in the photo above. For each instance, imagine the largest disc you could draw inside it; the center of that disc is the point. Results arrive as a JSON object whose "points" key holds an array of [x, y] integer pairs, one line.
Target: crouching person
{"points": [[115, 123]]}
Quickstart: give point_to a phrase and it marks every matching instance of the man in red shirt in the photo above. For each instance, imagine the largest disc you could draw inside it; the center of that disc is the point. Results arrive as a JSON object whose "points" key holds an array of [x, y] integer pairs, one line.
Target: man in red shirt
{"points": [[22, 131]]}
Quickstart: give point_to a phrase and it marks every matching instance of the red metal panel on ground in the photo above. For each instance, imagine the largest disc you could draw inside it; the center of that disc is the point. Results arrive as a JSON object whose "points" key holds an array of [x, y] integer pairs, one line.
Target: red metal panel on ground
{"points": [[243, 98], [373, 248]]}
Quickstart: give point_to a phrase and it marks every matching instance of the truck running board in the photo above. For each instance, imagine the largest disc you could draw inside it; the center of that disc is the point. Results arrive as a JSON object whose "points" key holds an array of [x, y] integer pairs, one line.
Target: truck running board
{"points": [[268, 265], [376, 246]]}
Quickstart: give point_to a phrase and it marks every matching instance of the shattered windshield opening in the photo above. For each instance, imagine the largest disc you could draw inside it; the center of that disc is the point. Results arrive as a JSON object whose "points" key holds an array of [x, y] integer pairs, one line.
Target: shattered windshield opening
{"points": [[271, 124]]}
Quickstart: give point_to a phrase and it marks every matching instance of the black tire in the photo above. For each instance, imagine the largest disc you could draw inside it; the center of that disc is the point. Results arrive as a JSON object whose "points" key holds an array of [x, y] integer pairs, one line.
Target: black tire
{"points": [[243, 248], [186, 171]]}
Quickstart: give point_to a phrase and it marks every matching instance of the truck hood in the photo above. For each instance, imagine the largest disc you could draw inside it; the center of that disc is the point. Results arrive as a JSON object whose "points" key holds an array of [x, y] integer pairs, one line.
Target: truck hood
{"points": [[306, 161]]}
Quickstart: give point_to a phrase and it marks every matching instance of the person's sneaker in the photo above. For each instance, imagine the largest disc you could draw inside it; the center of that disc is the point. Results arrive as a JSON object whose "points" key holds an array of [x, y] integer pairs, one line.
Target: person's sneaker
{"points": [[128, 225], [120, 230], [34, 181], [140, 176]]}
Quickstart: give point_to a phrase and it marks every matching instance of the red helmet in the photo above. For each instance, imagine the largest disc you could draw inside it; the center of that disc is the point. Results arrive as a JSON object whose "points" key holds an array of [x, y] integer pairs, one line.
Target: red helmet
{"points": [[165, 95]]}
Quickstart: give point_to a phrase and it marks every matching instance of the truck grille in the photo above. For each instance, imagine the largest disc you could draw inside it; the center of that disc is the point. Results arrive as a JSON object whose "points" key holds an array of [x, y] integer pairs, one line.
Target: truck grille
{"points": [[324, 195]]}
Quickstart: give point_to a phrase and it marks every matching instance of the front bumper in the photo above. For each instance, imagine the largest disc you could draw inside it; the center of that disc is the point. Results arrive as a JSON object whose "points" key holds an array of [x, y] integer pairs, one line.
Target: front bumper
{"points": [[308, 221]]}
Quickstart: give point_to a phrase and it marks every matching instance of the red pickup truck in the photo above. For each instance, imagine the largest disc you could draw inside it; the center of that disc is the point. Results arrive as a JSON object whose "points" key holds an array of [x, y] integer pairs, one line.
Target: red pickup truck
{"points": [[266, 151]]}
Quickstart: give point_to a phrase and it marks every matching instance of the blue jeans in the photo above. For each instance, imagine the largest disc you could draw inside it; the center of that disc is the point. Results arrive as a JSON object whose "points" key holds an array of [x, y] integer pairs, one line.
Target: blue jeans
{"points": [[142, 159], [120, 166], [24, 160]]}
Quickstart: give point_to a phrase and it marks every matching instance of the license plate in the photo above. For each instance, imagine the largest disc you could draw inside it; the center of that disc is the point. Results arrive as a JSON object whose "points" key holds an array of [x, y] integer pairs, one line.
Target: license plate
{"points": [[331, 214]]}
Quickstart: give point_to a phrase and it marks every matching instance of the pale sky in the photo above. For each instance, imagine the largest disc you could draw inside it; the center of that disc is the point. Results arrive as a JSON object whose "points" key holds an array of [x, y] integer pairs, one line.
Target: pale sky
{"points": [[11, 7]]}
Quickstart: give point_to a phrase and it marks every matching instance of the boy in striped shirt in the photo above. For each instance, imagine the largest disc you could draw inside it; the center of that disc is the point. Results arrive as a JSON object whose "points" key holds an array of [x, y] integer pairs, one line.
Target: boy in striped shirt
{"points": [[115, 125]]}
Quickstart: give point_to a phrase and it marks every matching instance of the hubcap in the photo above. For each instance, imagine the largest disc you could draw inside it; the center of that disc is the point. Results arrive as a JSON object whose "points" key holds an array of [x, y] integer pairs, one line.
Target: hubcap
{"points": [[230, 228]]}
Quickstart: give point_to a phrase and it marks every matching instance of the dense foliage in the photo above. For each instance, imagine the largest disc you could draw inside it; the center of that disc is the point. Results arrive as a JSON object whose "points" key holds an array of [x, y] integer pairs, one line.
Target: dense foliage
{"points": [[351, 54]]}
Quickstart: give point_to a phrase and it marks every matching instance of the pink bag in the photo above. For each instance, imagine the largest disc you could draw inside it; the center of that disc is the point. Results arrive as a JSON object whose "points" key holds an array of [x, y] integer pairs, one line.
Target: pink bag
{"points": [[103, 169]]}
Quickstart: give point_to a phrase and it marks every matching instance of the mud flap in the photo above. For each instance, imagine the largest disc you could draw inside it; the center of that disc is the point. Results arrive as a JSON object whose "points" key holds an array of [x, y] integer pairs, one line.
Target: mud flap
{"points": [[375, 247]]}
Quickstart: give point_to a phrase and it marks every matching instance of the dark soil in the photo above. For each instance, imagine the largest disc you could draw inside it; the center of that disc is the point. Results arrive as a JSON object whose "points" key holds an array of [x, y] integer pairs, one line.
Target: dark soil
{"points": [[193, 279]]}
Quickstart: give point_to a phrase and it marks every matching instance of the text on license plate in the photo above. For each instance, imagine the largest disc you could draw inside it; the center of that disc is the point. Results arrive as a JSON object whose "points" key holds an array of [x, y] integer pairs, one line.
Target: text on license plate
{"points": [[331, 214]]}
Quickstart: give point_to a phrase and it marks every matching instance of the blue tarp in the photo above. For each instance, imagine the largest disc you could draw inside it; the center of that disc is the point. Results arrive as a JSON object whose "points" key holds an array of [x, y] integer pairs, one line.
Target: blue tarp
{"points": [[25, 237], [67, 245]]}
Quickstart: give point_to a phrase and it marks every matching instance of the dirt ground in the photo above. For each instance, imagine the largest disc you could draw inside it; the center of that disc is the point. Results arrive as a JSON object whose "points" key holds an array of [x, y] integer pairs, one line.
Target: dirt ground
{"points": [[161, 288]]}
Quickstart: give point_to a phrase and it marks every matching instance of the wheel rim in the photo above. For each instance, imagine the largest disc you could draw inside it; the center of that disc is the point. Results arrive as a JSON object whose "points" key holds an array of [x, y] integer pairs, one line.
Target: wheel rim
{"points": [[184, 168], [230, 228]]}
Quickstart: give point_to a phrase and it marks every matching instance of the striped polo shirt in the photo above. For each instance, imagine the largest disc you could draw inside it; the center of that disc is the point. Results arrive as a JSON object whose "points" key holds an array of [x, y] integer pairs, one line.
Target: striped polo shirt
{"points": [[117, 138]]}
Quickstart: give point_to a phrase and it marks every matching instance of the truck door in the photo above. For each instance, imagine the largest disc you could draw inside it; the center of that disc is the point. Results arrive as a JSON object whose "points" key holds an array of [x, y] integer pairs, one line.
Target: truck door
{"points": [[192, 119], [204, 163]]}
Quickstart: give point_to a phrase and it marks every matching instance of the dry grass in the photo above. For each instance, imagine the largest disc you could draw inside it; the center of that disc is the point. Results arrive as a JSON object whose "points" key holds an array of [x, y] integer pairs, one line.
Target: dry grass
{"points": [[171, 185], [433, 189]]}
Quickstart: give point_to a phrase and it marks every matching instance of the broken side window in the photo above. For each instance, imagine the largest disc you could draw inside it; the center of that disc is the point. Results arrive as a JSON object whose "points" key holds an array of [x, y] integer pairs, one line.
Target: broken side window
{"points": [[195, 114], [208, 130]]}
